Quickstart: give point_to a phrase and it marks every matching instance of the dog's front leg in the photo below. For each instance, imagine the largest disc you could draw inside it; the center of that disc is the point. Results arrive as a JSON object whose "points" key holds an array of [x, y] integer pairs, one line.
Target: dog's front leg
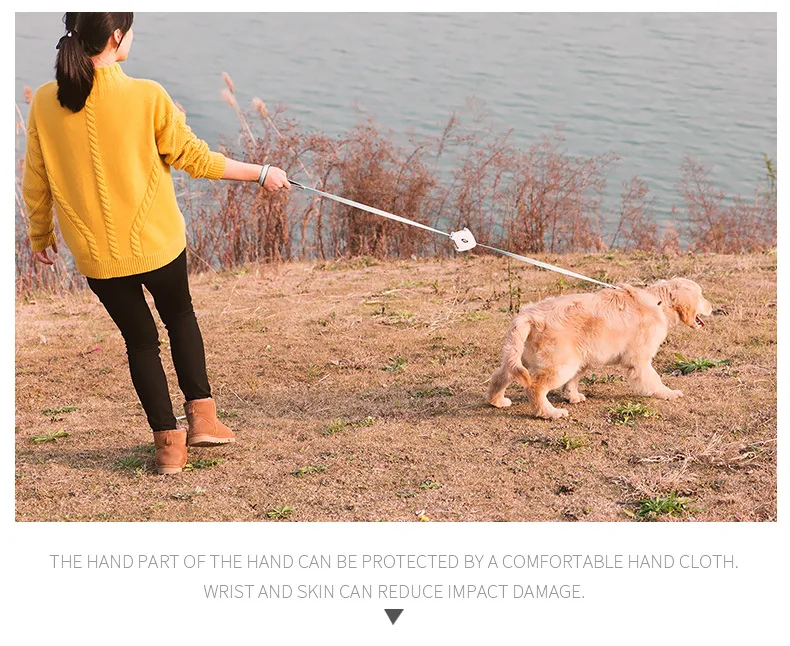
{"points": [[646, 381]]}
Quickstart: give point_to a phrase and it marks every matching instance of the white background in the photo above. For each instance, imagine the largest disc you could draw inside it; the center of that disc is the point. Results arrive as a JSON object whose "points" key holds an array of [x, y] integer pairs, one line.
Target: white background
{"points": [[45, 605]]}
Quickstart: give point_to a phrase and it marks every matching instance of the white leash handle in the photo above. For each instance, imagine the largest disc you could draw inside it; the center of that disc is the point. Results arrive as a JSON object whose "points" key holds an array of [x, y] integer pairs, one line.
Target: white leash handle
{"points": [[463, 239]]}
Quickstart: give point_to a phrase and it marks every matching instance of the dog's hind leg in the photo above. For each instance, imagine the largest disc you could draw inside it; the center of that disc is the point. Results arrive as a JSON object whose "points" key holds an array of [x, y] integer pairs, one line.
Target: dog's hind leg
{"points": [[545, 381], [500, 380], [572, 391], [511, 368]]}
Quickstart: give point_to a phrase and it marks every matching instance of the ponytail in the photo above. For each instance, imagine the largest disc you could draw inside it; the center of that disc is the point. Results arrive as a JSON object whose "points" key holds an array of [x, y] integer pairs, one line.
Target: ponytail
{"points": [[86, 35], [73, 70]]}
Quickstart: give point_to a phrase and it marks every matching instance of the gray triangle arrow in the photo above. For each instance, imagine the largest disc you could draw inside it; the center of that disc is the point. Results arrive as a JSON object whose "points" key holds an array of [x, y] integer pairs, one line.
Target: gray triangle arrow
{"points": [[393, 615]]}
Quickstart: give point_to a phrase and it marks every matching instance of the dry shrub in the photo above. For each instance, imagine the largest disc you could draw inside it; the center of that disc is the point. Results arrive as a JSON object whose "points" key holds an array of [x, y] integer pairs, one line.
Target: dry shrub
{"points": [[636, 228], [713, 225], [537, 200], [476, 196], [368, 168], [555, 199], [239, 222]]}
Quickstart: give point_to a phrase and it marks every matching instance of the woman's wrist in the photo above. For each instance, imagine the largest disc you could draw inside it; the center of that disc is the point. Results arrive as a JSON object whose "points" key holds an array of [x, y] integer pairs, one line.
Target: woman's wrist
{"points": [[263, 173]]}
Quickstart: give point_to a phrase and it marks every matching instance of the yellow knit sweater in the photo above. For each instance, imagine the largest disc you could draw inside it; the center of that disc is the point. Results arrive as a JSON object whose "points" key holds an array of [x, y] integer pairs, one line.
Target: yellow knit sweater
{"points": [[106, 168]]}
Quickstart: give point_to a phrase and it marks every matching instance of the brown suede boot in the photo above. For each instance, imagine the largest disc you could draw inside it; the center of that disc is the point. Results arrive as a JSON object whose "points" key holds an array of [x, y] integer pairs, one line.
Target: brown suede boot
{"points": [[171, 451], [204, 427]]}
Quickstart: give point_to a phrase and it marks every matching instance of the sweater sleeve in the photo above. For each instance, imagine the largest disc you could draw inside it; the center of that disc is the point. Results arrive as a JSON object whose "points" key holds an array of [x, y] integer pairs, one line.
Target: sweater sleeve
{"points": [[35, 190], [180, 147]]}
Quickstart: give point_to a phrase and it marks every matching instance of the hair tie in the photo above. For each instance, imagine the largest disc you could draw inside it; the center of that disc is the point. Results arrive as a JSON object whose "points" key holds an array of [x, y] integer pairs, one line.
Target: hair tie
{"points": [[68, 34]]}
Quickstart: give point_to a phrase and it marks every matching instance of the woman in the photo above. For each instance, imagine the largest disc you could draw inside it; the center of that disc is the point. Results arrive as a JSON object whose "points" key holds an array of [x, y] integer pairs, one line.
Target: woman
{"points": [[99, 147]]}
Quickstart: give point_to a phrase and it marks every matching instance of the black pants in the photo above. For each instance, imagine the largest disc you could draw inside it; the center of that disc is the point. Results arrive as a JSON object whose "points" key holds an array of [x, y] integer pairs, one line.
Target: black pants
{"points": [[125, 302]]}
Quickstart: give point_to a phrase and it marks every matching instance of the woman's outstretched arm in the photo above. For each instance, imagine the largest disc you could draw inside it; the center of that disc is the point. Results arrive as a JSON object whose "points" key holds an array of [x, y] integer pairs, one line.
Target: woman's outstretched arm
{"points": [[182, 150], [275, 177]]}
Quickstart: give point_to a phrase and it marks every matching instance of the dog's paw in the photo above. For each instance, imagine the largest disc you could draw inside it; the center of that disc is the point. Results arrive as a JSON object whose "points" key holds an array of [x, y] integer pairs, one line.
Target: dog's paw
{"points": [[502, 402], [669, 394], [576, 399], [554, 413]]}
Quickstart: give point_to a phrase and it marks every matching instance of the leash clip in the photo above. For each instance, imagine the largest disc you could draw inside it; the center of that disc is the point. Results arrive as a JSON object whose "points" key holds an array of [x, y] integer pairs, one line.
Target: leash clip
{"points": [[463, 239]]}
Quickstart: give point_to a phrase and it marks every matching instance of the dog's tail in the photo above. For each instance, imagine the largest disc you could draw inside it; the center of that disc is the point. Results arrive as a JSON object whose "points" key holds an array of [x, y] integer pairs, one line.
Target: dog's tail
{"points": [[511, 367], [514, 348]]}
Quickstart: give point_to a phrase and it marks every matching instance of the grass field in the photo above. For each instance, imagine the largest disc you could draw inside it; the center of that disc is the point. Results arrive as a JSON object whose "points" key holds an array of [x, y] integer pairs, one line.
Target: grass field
{"points": [[356, 390]]}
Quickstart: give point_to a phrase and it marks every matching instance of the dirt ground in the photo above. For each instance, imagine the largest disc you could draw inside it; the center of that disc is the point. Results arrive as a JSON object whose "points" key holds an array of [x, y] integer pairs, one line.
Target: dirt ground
{"points": [[356, 390]]}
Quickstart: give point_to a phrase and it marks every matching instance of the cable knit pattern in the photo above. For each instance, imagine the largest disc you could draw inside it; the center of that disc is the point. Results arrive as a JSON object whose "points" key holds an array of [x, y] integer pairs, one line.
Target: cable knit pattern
{"points": [[74, 220], [88, 164], [101, 182], [144, 210]]}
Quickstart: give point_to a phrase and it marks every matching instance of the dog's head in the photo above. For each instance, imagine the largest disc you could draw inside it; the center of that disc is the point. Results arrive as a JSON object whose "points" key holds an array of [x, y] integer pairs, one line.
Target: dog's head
{"points": [[683, 298]]}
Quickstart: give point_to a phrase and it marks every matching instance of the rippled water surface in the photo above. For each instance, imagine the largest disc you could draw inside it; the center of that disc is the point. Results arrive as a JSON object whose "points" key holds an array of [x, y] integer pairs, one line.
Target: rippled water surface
{"points": [[650, 87]]}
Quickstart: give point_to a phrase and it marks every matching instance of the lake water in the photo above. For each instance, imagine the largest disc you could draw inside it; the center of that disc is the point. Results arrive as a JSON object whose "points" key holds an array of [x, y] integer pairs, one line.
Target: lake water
{"points": [[649, 87]]}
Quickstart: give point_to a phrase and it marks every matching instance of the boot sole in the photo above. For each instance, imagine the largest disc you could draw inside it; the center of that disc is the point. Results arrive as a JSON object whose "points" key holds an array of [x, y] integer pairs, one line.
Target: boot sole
{"points": [[209, 440], [163, 471]]}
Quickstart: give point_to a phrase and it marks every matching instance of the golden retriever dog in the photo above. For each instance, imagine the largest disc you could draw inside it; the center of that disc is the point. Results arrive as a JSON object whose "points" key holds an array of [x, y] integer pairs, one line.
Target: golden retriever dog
{"points": [[552, 342]]}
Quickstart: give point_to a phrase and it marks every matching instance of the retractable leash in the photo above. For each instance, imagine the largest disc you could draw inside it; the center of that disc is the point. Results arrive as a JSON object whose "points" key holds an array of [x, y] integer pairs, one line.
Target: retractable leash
{"points": [[464, 240]]}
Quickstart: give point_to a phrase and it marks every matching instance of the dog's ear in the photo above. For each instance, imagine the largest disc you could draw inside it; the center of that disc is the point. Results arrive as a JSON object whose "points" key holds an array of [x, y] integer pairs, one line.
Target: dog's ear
{"points": [[684, 302]]}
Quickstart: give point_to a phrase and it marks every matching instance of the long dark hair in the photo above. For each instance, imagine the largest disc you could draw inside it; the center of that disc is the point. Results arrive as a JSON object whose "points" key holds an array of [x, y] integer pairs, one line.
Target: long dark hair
{"points": [[86, 35]]}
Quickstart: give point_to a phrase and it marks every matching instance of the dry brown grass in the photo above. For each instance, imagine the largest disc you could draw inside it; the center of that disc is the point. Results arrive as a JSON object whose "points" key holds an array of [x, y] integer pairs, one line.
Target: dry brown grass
{"points": [[295, 348]]}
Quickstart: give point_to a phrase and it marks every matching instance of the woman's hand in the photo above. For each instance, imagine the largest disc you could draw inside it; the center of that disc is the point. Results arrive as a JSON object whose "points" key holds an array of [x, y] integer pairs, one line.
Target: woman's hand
{"points": [[42, 256], [275, 179]]}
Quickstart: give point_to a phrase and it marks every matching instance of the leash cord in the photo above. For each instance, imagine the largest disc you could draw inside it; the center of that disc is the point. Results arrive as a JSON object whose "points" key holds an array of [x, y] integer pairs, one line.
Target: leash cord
{"points": [[398, 218], [369, 209], [546, 265]]}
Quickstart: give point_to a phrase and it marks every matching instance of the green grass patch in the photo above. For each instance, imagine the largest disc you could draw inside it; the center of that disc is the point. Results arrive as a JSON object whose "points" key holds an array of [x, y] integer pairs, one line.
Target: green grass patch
{"points": [[221, 413], [405, 319], [313, 371], [652, 508], [336, 426], [202, 463], [537, 439], [188, 495], [688, 365], [339, 425], [130, 462], [48, 437], [325, 322], [429, 484], [571, 443], [52, 412], [281, 513], [303, 471], [628, 412], [395, 364]]}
